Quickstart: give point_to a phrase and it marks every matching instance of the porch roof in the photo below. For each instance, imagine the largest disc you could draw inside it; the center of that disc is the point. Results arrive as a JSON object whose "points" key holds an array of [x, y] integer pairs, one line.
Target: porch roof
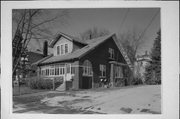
{"points": [[118, 63]]}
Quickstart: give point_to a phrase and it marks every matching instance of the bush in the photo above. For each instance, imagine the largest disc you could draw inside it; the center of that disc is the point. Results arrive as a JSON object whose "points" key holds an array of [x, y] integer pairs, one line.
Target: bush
{"points": [[119, 82], [137, 81], [40, 83]]}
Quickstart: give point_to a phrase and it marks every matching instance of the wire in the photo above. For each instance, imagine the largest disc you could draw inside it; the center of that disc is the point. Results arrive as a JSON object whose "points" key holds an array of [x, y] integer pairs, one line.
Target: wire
{"points": [[142, 34], [125, 16]]}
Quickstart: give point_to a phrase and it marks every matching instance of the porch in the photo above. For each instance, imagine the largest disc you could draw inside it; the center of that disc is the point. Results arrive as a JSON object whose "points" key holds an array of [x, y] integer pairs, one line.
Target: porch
{"points": [[119, 74]]}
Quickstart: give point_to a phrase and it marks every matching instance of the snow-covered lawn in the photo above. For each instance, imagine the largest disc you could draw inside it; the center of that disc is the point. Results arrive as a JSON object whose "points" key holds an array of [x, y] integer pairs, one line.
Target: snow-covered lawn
{"points": [[140, 99]]}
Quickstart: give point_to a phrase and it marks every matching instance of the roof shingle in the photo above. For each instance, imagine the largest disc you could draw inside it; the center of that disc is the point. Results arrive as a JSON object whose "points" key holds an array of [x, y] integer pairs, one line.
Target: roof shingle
{"points": [[78, 53], [71, 38]]}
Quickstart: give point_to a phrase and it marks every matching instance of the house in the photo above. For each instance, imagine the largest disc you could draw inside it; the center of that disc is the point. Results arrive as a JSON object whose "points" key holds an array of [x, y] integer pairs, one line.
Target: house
{"points": [[140, 65], [86, 64], [26, 68]]}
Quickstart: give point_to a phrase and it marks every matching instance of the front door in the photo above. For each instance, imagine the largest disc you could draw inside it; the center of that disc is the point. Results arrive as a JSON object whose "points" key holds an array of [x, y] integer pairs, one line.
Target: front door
{"points": [[87, 75], [87, 83]]}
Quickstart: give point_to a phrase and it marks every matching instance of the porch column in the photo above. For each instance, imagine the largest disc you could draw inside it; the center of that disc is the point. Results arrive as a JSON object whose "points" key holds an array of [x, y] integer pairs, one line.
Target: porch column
{"points": [[76, 76], [38, 71], [112, 75], [92, 81]]}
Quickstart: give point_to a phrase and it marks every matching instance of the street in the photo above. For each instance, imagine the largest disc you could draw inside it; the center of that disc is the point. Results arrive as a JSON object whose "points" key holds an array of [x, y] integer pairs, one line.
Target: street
{"points": [[145, 99]]}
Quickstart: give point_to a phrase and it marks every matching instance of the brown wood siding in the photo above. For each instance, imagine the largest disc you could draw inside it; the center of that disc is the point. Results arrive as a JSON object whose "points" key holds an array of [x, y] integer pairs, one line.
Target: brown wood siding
{"points": [[100, 55]]}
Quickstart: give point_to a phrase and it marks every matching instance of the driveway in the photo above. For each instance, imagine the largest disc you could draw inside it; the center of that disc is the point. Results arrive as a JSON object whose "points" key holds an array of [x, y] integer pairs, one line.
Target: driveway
{"points": [[135, 99]]}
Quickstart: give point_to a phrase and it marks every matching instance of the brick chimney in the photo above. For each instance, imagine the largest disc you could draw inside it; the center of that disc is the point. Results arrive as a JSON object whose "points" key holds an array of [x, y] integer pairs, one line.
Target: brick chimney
{"points": [[45, 48]]}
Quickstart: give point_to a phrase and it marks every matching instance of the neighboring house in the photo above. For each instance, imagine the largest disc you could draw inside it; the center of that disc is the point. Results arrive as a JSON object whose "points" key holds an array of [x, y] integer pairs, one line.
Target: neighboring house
{"points": [[86, 64], [32, 57], [140, 65], [26, 68]]}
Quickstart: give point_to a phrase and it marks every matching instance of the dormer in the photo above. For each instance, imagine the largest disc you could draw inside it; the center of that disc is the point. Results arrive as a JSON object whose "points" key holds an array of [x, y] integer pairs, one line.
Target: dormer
{"points": [[64, 44]]}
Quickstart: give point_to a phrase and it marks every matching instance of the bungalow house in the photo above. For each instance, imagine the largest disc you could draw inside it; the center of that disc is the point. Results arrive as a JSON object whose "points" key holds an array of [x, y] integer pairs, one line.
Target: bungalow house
{"points": [[86, 64]]}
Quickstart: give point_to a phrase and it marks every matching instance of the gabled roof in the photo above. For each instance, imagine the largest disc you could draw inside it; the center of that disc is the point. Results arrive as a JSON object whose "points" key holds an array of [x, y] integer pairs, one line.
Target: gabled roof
{"points": [[71, 38], [91, 45], [78, 53], [34, 56], [41, 60]]}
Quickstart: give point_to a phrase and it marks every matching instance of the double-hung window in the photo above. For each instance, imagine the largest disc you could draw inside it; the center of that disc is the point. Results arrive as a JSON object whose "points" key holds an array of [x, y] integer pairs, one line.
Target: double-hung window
{"points": [[102, 70], [87, 68], [66, 48], [58, 50], [111, 53], [62, 49]]}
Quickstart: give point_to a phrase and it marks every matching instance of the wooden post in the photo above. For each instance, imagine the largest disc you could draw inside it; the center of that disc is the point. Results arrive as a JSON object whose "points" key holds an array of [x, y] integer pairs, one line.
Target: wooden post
{"points": [[92, 82], [53, 83], [112, 75]]}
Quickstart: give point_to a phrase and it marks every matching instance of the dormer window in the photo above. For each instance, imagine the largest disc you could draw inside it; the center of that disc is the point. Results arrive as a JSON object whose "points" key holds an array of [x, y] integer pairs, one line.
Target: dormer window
{"points": [[66, 48], [111, 53], [58, 50], [62, 49]]}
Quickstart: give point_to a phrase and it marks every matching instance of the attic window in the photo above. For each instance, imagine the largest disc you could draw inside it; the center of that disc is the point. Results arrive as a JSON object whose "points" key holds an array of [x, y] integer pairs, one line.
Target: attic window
{"points": [[111, 53], [62, 49], [58, 50], [66, 48], [102, 70]]}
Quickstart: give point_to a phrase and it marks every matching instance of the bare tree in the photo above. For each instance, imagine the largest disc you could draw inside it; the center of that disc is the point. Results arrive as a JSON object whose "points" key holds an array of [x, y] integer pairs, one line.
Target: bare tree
{"points": [[31, 24], [93, 33], [132, 42]]}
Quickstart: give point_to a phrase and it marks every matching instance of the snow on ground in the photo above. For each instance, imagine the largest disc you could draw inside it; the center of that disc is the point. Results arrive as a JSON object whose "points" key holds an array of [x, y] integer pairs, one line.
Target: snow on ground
{"points": [[142, 99]]}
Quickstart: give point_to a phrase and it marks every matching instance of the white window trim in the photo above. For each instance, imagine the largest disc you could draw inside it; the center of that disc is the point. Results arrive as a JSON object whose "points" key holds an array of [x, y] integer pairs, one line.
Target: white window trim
{"points": [[102, 69], [63, 47], [112, 53], [57, 52], [62, 71], [88, 69]]}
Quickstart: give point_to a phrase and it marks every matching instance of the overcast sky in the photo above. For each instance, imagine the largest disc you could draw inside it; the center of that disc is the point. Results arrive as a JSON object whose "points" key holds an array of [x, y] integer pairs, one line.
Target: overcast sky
{"points": [[80, 20]]}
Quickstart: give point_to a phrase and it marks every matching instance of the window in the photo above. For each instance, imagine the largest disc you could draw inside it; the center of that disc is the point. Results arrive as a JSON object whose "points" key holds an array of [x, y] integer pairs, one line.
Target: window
{"points": [[111, 53], [68, 70], [47, 72], [60, 71], [43, 72], [118, 72], [58, 50], [66, 48], [63, 71], [72, 70], [102, 70], [62, 49], [54, 70], [57, 71], [87, 68]]}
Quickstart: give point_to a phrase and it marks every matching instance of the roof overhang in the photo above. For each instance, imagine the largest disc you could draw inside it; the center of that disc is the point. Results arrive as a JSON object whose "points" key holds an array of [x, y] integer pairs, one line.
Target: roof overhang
{"points": [[60, 34], [117, 63]]}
